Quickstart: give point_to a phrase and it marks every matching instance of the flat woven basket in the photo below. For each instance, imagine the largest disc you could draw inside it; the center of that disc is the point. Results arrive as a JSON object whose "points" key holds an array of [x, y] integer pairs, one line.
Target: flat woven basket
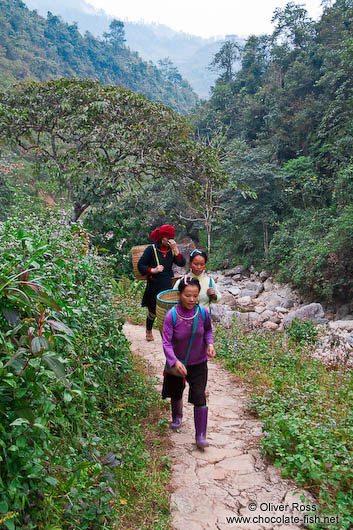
{"points": [[136, 253], [165, 301]]}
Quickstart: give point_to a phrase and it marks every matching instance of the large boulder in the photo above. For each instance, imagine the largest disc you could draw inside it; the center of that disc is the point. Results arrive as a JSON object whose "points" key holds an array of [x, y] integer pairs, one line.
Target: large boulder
{"points": [[228, 299], [235, 291], [256, 287], [264, 275], [247, 318], [342, 324], [273, 302], [268, 284], [312, 312], [239, 269], [247, 292], [221, 313]]}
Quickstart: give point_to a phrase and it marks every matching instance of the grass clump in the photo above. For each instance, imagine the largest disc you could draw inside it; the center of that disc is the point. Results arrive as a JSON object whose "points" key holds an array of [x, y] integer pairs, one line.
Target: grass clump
{"points": [[306, 408]]}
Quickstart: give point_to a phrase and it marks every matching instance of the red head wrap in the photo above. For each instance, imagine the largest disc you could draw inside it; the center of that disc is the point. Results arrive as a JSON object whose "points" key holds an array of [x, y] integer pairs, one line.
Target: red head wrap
{"points": [[163, 231]]}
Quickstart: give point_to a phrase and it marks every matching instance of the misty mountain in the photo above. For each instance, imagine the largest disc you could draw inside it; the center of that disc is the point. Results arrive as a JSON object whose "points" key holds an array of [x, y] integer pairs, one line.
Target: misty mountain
{"points": [[38, 48], [189, 53]]}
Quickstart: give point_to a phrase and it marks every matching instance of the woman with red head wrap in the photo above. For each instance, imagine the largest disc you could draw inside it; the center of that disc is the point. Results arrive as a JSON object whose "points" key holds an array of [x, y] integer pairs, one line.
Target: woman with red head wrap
{"points": [[159, 271]]}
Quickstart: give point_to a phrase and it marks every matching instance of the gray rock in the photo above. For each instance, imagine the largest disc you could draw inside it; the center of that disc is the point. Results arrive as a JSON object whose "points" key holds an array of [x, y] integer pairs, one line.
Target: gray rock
{"points": [[235, 291], [248, 317], [342, 312], [273, 302], [342, 324], [185, 246], [281, 309], [244, 300], [236, 270], [219, 311], [288, 303], [347, 317], [268, 284], [227, 319], [267, 314], [270, 325], [264, 275], [252, 286], [312, 312], [228, 299], [247, 292], [236, 277], [225, 263]]}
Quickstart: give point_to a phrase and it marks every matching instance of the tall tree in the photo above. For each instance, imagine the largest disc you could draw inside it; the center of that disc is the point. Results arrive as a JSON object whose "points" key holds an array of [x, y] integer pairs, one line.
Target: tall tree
{"points": [[116, 35], [224, 61], [96, 139]]}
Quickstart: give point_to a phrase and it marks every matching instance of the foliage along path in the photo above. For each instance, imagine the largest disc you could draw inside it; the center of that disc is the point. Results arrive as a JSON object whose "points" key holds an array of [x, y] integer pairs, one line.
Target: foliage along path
{"points": [[221, 482]]}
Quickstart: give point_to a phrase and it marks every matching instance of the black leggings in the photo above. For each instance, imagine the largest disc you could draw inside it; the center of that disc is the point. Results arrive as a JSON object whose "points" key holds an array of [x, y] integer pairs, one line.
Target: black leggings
{"points": [[174, 386]]}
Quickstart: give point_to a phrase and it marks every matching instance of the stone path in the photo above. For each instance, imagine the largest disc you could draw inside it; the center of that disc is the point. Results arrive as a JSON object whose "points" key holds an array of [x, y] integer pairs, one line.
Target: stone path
{"points": [[230, 478]]}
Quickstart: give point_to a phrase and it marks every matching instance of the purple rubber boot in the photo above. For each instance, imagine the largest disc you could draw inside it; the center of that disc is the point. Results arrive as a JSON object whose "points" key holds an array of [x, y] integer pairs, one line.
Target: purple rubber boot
{"points": [[200, 417], [177, 414]]}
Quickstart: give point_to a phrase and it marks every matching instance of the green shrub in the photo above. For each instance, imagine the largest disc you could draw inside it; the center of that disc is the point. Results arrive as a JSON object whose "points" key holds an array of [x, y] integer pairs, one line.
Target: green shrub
{"points": [[302, 332], [306, 410], [313, 251], [71, 445]]}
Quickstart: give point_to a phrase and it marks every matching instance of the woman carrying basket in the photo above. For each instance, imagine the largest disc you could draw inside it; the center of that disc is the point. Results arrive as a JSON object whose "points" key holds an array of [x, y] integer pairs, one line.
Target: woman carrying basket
{"points": [[156, 262], [209, 291], [187, 344]]}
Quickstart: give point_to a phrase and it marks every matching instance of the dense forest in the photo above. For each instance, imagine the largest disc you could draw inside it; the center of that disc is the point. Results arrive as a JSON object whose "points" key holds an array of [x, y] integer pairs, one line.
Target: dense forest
{"points": [[287, 118], [33, 47], [283, 125], [282, 129], [191, 54]]}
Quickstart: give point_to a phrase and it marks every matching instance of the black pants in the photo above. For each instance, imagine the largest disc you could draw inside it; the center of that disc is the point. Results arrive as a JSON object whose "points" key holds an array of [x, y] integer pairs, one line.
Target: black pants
{"points": [[174, 386]]}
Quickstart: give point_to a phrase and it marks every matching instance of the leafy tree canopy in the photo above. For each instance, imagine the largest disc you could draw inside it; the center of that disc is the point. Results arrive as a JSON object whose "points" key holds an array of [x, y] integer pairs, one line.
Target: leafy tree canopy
{"points": [[98, 139]]}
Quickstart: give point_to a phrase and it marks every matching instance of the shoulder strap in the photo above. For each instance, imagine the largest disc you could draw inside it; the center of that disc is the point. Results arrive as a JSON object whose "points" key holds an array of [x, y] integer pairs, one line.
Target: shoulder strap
{"points": [[156, 255], [174, 315], [202, 309], [194, 328]]}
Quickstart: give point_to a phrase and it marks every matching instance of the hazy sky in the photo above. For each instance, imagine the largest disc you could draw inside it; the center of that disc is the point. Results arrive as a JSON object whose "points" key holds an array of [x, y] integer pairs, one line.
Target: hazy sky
{"points": [[204, 17]]}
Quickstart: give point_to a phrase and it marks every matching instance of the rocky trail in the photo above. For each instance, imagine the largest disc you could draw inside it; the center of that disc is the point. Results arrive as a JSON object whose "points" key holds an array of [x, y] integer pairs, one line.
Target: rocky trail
{"points": [[230, 480]]}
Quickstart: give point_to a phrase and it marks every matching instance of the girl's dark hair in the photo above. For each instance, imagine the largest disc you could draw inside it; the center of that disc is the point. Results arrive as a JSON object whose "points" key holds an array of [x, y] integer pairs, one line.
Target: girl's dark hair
{"points": [[197, 252], [187, 280]]}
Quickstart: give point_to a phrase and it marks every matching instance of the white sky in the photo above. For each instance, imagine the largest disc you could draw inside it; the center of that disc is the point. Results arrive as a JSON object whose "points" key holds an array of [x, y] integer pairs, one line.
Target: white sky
{"points": [[204, 17]]}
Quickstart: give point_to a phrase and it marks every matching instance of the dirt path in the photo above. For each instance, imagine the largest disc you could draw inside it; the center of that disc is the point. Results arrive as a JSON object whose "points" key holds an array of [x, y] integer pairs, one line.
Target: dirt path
{"points": [[223, 481]]}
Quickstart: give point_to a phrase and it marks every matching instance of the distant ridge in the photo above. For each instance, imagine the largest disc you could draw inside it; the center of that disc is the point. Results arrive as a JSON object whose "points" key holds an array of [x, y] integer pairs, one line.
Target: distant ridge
{"points": [[190, 54], [33, 47]]}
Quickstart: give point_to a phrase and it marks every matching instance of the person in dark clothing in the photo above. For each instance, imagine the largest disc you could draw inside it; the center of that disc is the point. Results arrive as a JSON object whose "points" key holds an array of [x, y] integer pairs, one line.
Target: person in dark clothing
{"points": [[156, 262]]}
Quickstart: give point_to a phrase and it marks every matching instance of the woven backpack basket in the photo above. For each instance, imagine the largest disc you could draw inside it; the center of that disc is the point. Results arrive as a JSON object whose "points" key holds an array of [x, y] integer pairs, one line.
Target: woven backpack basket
{"points": [[165, 301], [136, 253]]}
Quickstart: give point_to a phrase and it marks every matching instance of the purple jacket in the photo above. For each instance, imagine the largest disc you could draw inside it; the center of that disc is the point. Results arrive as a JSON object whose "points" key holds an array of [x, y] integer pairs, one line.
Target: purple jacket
{"points": [[176, 339]]}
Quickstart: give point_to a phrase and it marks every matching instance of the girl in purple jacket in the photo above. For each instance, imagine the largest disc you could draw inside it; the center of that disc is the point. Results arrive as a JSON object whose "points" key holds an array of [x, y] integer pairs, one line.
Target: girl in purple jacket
{"points": [[177, 332]]}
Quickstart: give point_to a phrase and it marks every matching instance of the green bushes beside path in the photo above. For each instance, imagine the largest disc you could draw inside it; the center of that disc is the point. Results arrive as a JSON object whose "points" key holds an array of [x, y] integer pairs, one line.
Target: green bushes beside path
{"points": [[72, 450], [307, 413]]}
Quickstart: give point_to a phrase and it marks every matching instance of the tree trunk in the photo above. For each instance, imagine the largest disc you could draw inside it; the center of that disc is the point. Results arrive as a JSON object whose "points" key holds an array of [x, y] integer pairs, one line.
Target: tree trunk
{"points": [[265, 229], [79, 208]]}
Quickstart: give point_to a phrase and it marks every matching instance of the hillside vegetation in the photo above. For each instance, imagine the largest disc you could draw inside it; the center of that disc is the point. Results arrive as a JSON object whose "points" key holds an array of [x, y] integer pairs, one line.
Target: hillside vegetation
{"points": [[190, 54], [73, 453], [33, 47], [286, 118]]}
